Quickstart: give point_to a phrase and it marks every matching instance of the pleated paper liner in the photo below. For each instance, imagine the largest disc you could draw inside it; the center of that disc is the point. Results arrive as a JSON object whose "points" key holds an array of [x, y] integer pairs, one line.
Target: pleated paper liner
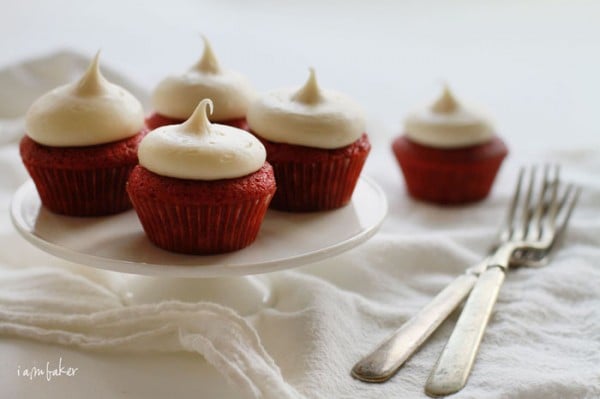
{"points": [[314, 179], [449, 176], [201, 217]]}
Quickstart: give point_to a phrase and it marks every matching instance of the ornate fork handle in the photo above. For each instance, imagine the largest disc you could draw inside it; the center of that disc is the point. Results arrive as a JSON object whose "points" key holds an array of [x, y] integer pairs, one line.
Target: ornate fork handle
{"points": [[454, 365], [381, 364]]}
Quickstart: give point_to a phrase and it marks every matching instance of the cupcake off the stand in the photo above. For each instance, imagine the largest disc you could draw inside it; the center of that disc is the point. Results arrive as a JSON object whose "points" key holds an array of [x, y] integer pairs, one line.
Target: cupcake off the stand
{"points": [[175, 97], [448, 154], [316, 142], [201, 188], [81, 144]]}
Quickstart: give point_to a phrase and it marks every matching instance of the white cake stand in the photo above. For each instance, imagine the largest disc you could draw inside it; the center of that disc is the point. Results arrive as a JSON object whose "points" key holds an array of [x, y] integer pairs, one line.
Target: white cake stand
{"points": [[117, 243]]}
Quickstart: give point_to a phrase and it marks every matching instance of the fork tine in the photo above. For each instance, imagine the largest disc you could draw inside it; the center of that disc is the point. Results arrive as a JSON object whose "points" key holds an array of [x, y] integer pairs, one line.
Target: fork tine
{"points": [[565, 197], [536, 220], [510, 217], [526, 211], [555, 205], [572, 202], [571, 195]]}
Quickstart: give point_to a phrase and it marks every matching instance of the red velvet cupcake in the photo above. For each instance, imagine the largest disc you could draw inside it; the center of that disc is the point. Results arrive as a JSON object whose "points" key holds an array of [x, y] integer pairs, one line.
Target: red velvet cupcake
{"points": [[201, 188], [316, 143], [81, 144], [176, 96], [449, 154]]}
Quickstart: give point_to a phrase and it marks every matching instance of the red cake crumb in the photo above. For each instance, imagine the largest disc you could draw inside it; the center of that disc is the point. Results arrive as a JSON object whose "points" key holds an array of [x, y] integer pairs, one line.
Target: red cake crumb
{"points": [[103, 155], [187, 191]]}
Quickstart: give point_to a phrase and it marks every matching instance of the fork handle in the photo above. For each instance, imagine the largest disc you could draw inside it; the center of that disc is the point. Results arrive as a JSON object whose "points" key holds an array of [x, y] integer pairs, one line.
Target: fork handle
{"points": [[454, 365], [384, 361]]}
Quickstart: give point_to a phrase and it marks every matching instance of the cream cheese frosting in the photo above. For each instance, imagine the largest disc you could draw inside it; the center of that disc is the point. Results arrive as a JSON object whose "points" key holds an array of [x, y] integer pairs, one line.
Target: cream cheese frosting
{"points": [[448, 124], [178, 95], [88, 112], [309, 116], [199, 150]]}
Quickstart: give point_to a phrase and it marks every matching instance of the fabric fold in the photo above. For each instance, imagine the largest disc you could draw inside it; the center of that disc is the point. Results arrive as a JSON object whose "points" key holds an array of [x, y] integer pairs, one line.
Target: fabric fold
{"points": [[34, 307]]}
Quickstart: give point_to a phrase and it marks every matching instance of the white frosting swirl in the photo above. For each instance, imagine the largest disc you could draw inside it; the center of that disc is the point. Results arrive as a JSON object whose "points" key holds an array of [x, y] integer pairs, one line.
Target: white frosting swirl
{"points": [[178, 95], [199, 150], [448, 124], [310, 116], [87, 112]]}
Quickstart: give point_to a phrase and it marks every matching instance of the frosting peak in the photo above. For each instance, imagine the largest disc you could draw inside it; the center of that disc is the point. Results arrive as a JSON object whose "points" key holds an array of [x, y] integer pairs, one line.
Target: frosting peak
{"points": [[177, 95], [200, 150], [208, 63], [198, 123], [446, 103], [92, 82], [308, 116], [310, 93], [87, 112], [448, 124]]}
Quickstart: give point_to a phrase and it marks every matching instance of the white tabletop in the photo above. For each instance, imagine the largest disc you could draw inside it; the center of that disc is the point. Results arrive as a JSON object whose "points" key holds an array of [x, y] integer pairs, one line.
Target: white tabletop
{"points": [[532, 65]]}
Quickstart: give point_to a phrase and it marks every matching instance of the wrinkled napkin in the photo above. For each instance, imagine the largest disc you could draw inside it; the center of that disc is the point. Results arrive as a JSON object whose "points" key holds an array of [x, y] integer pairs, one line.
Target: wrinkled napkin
{"points": [[543, 340]]}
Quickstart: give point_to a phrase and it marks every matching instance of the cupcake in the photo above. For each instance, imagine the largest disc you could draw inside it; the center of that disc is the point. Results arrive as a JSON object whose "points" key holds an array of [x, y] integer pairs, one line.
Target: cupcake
{"points": [[316, 143], [449, 154], [201, 188], [81, 144], [176, 97]]}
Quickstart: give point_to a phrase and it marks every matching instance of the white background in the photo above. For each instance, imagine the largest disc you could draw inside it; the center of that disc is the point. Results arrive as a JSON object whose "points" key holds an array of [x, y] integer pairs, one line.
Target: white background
{"points": [[533, 65]]}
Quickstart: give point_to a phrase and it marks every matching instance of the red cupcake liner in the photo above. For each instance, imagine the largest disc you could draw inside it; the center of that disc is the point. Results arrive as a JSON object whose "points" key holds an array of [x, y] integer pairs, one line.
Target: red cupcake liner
{"points": [[314, 179], [156, 120], [316, 186], [199, 217], [449, 176], [201, 230], [82, 192], [82, 181]]}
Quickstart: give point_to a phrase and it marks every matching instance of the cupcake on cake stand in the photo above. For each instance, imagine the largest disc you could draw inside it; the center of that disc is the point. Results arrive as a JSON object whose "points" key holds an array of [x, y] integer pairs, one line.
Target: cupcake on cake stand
{"points": [[118, 243]]}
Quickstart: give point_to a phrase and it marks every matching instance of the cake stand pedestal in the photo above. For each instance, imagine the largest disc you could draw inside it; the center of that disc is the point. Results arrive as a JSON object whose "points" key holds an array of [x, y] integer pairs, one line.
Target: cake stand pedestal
{"points": [[117, 243]]}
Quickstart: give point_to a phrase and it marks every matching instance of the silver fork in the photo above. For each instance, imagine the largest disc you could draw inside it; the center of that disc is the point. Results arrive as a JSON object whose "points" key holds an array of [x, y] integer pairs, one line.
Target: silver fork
{"points": [[381, 364], [533, 230]]}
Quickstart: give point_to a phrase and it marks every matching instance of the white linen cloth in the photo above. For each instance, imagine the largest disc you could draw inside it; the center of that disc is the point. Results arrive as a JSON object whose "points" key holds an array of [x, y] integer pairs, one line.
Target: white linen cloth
{"points": [[542, 342]]}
